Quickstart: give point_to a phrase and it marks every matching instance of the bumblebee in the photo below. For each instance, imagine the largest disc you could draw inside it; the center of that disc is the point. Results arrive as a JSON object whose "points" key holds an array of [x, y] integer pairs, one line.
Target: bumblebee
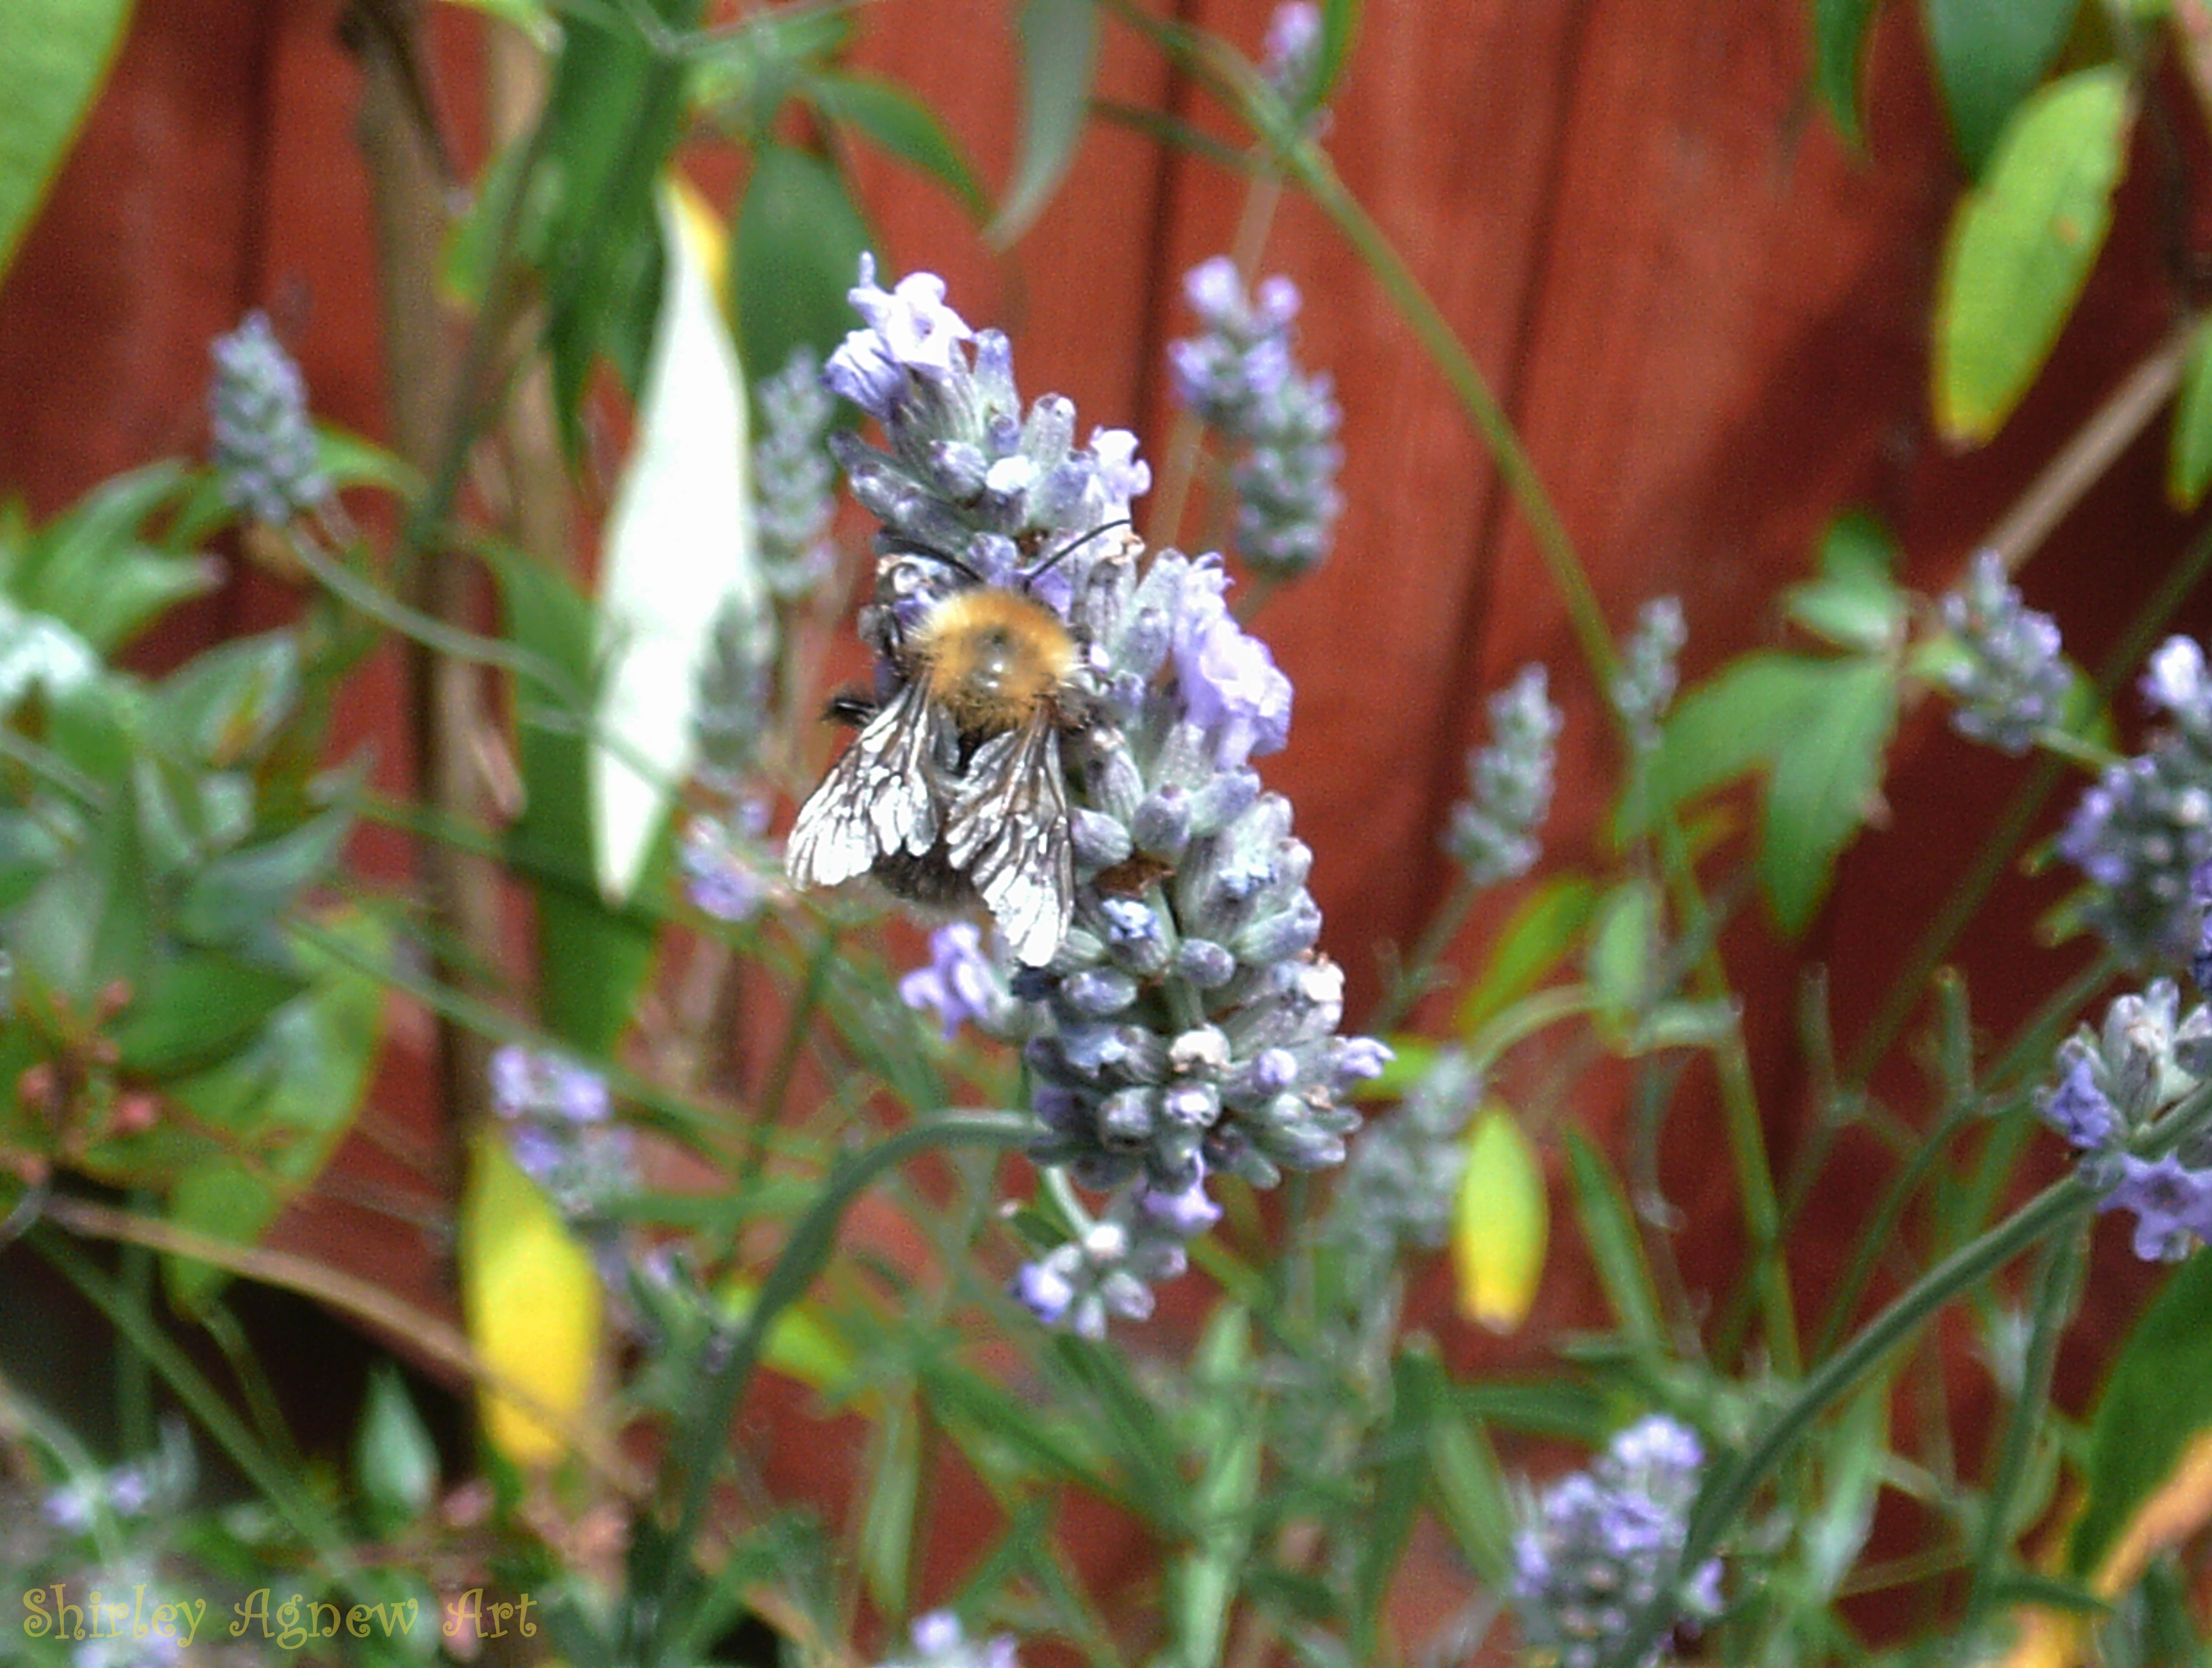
{"points": [[952, 792]]}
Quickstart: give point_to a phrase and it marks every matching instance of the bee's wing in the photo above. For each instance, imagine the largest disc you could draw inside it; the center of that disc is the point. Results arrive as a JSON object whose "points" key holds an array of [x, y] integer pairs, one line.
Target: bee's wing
{"points": [[1008, 831], [876, 800]]}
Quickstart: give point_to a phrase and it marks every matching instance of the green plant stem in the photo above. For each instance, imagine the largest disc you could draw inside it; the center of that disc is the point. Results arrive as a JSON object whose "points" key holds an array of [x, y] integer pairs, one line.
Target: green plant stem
{"points": [[819, 966], [200, 1399], [1730, 1487], [662, 1574], [1879, 1233], [2057, 1289], [1411, 982], [1309, 167]]}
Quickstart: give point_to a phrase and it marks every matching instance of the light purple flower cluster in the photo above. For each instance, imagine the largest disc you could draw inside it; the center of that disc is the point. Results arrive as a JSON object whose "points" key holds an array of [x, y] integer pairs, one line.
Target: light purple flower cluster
{"points": [[153, 1486], [2146, 827], [1603, 1546], [1644, 687], [1403, 1175], [728, 871], [968, 476], [561, 1130], [2011, 681], [1185, 1027], [264, 451], [1493, 835], [940, 1641], [793, 484], [1238, 376], [1291, 52], [2114, 1085]]}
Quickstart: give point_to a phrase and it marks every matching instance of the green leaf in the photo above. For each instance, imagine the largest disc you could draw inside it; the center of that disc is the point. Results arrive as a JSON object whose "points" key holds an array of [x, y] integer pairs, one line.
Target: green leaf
{"points": [[892, 117], [220, 708], [1990, 54], [2188, 465], [1824, 784], [1060, 60], [2154, 1413], [395, 1462], [1468, 1490], [1854, 603], [287, 1101], [195, 1008], [1616, 1248], [1852, 1455], [90, 568], [1623, 945], [1734, 722], [54, 55], [243, 891], [800, 240], [612, 118], [1535, 938], [91, 922], [1340, 22], [2020, 247], [592, 960], [1839, 33], [894, 1493]]}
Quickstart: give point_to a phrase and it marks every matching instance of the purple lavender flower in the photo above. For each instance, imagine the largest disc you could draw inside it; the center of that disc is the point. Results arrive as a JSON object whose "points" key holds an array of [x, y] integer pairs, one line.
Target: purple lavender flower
{"points": [[794, 482], [1602, 1547], [910, 331], [961, 984], [1645, 685], [1239, 378], [1493, 830], [2146, 827], [2081, 1111], [1292, 49], [721, 878], [558, 1131], [940, 1641], [2011, 681], [1229, 685], [265, 450], [2171, 1202]]}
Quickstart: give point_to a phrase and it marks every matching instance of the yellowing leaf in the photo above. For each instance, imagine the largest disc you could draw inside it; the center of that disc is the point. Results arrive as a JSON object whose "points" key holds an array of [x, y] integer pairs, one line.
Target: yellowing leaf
{"points": [[799, 1346], [1499, 1223], [679, 548], [2020, 247], [531, 1301]]}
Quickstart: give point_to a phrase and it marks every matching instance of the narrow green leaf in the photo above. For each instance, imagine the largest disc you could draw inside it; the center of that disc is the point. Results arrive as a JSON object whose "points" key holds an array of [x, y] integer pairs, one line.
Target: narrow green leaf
{"points": [[395, 1462], [1417, 1397], [1616, 1248], [894, 1491], [592, 960], [2155, 1407], [1623, 944], [242, 892], [800, 239], [1989, 55], [2020, 247], [1059, 61], [1535, 938], [1856, 1448], [2189, 464], [54, 55], [1468, 1490], [1824, 784], [889, 116], [1839, 33]]}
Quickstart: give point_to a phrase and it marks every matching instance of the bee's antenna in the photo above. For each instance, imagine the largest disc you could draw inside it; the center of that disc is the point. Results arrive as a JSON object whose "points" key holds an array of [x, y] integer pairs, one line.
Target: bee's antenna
{"points": [[907, 547], [1047, 565]]}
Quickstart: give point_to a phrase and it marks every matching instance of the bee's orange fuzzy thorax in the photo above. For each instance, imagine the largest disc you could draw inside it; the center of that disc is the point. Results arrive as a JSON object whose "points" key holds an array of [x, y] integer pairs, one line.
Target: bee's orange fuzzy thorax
{"points": [[992, 657]]}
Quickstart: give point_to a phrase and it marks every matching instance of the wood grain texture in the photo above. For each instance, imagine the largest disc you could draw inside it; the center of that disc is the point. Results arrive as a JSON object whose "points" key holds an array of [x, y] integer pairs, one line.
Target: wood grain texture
{"points": [[1706, 317]]}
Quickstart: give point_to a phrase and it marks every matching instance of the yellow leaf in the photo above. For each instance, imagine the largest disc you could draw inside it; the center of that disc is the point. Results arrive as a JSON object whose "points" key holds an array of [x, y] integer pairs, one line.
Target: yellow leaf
{"points": [[1499, 1223], [531, 1301]]}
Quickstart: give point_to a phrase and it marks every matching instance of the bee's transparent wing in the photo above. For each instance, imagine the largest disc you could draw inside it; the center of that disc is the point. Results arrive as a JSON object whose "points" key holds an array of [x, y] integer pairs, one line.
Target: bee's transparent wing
{"points": [[1007, 830], [876, 800]]}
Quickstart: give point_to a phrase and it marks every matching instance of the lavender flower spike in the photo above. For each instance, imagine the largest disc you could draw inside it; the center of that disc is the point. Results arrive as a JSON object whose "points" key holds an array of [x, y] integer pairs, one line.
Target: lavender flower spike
{"points": [[940, 1641], [265, 451], [2010, 682], [1493, 830], [1602, 1548]]}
